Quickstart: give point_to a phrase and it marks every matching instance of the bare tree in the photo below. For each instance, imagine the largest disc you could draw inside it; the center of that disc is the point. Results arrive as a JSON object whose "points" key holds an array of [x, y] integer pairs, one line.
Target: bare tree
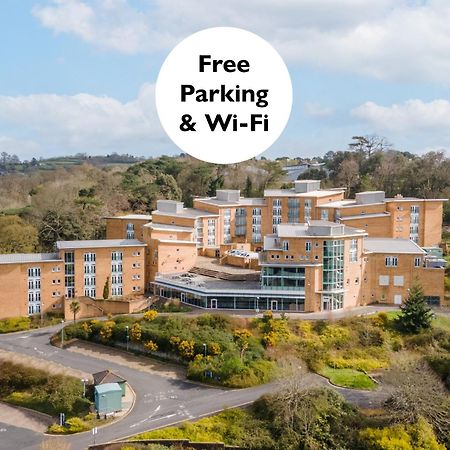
{"points": [[418, 392]]}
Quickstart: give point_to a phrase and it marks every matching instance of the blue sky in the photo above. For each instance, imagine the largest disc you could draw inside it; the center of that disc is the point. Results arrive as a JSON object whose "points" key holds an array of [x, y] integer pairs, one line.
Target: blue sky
{"points": [[78, 75]]}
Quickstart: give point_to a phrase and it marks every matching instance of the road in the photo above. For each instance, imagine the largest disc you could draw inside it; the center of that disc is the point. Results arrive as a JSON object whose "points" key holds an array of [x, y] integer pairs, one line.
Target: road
{"points": [[160, 401]]}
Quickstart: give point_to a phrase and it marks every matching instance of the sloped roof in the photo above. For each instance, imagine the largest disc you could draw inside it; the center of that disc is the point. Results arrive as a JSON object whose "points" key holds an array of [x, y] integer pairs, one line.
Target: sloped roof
{"points": [[106, 376]]}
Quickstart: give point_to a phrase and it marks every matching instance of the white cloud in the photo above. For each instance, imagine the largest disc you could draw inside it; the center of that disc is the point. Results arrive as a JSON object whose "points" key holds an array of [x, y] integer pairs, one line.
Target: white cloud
{"points": [[84, 122], [411, 116], [385, 39], [315, 109]]}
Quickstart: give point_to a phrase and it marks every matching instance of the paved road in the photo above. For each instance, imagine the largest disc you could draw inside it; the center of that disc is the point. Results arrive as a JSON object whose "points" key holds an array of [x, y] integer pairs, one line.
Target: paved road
{"points": [[160, 401]]}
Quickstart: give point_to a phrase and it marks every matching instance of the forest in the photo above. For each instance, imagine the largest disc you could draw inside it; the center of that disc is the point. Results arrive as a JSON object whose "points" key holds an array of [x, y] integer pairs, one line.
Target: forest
{"points": [[42, 201]]}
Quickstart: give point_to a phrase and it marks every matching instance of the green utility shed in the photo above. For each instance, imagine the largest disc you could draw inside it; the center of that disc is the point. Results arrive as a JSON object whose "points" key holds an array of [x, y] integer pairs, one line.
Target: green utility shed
{"points": [[106, 376], [108, 398]]}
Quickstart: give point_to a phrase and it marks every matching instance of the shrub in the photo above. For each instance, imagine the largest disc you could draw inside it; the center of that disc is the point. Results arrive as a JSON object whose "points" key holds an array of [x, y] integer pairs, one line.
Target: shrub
{"points": [[14, 324], [150, 346], [136, 332], [106, 330], [150, 315]]}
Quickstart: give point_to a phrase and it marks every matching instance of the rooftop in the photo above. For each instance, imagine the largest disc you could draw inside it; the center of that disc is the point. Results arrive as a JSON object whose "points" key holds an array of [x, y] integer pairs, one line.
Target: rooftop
{"points": [[132, 217], [106, 376], [107, 387], [167, 227], [316, 228], [29, 258], [391, 245], [293, 193], [186, 212], [243, 201], [102, 243], [367, 216]]}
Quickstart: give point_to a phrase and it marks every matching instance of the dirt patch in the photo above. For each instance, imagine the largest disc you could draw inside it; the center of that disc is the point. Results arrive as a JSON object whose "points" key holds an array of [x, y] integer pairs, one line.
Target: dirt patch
{"points": [[123, 358], [48, 366]]}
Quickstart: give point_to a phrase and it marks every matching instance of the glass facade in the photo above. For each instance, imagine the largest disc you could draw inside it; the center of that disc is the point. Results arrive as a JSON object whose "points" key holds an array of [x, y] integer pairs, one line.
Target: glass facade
{"points": [[241, 222], [283, 278], [333, 274], [69, 274], [293, 210]]}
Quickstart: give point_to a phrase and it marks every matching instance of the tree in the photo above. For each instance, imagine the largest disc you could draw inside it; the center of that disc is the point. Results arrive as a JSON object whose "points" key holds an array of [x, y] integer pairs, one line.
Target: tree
{"points": [[314, 418], [418, 393], [16, 236], [106, 289], [415, 315], [75, 308], [248, 191], [367, 145], [242, 340]]}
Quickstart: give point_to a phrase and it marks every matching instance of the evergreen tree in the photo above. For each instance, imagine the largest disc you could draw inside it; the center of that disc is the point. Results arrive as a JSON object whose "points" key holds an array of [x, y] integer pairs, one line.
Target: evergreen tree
{"points": [[106, 289], [248, 191], [415, 314]]}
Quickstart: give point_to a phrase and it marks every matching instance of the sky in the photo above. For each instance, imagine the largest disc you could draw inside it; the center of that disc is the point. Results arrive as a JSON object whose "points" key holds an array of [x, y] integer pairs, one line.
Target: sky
{"points": [[78, 75]]}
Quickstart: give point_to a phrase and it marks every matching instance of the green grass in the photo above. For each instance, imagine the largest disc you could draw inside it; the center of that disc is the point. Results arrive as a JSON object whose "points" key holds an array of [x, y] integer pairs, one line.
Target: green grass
{"points": [[442, 322], [349, 378]]}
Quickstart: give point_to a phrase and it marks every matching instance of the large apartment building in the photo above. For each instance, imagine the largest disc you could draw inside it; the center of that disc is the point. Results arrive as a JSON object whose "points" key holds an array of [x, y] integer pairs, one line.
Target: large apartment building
{"points": [[39, 282], [312, 250]]}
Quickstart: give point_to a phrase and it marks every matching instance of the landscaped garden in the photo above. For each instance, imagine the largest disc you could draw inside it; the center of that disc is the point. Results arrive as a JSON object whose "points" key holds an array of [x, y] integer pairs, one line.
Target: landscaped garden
{"points": [[237, 352], [50, 394], [13, 324]]}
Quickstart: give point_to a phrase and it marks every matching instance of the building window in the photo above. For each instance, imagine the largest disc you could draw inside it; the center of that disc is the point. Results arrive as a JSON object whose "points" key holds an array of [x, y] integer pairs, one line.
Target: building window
{"points": [[308, 207], [241, 222], [353, 254], [391, 261], [417, 261], [308, 246], [116, 256], [130, 231], [136, 253], [285, 245], [383, 280], [399, 281], [324, 214], [89, 257], [293, 210]]}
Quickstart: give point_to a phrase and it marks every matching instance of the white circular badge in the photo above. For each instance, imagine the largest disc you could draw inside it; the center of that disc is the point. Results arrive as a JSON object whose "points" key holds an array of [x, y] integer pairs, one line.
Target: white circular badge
{"points": [[223, 95]]}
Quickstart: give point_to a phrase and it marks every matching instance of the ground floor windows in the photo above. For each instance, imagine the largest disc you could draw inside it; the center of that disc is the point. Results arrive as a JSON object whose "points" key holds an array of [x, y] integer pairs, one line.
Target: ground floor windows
{"points": [[255, 303], [331, 302]]}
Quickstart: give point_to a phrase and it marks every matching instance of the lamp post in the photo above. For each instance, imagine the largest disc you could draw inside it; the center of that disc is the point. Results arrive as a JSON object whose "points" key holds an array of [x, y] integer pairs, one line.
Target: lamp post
{"points": [[204, 349], [84, 386], [62, 334], [128, 336]]}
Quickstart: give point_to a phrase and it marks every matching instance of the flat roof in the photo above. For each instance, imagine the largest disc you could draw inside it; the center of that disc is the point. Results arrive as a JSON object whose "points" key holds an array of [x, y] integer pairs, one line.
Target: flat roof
{"points": [[366, 216], [29, 258], [243, 201], [132, 217], [308, 230], [101, 243], [167, 227], [186, 212], [107, 387], [201, 284], [391, 245], [292, 193]]}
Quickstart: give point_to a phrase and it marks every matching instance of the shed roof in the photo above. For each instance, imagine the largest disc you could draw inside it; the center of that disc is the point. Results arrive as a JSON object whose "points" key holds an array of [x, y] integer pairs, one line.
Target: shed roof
{"points": [[107, 388], [106, 376]]}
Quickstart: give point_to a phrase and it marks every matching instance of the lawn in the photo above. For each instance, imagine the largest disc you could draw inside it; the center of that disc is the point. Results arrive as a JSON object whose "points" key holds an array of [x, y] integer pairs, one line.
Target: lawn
{"points": [[442, 322], [349, 378]]}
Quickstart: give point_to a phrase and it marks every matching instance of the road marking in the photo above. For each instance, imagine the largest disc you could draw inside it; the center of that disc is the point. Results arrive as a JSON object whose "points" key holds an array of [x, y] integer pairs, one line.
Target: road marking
{"points": [[145, 420]]}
